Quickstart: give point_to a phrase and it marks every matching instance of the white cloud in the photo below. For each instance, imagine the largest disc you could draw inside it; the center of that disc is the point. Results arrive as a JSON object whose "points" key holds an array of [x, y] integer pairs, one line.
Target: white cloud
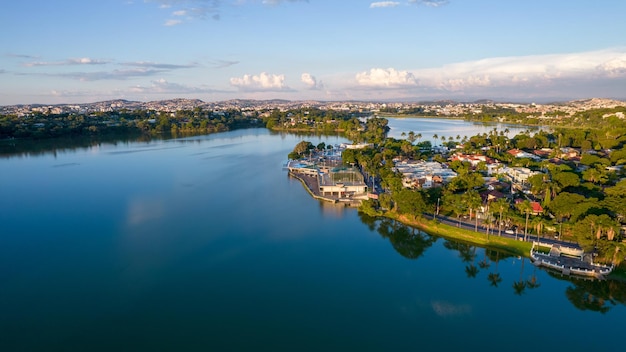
{"points": [[276, 2], [390, 77], [525, 78], [71, 61], [614, 68], [431, 3], [311, 82], [384, 4], [170, 23], [158, 65], [261, 82], [161, 86], [86, 61], [189, 9], [536, 70]]}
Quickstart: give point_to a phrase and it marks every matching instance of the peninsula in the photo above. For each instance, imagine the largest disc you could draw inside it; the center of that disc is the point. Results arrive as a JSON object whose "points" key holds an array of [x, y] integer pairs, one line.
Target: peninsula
{"points": [[559, 187]]}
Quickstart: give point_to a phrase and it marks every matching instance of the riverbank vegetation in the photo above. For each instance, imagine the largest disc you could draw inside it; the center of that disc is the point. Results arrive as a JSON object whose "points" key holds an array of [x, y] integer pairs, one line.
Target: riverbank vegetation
{"points": [[314, 120], [198, 121]]}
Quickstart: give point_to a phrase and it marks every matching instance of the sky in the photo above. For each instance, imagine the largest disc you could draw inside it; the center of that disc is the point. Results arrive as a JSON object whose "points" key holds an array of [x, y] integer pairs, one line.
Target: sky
{"points": [[79, 51]]}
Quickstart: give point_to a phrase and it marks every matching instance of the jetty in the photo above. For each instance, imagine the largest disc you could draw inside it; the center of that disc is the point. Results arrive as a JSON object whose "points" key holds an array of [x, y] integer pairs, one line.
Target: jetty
{"points": [[311, 182], [567, 260], [326, 178]]}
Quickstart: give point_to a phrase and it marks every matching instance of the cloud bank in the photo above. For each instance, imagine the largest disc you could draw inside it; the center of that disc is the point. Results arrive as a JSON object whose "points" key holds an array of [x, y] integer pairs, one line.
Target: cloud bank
{"points": [[386, 78], [558, 73], [262, 82], [311, 82]]}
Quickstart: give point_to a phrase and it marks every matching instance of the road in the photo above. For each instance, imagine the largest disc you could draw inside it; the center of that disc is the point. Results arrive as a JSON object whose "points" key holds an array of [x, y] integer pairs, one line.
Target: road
{"points": [[482, 229]]}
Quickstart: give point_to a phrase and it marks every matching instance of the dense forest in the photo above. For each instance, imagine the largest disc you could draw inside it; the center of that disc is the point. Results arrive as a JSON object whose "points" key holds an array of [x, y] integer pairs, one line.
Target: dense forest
{"points": [[315, 120], [197, 121]]}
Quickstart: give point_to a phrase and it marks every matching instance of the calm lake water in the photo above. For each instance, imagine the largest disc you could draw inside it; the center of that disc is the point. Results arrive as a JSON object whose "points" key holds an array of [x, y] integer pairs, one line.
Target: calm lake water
{"points": [[429, 127], [205, 244]]}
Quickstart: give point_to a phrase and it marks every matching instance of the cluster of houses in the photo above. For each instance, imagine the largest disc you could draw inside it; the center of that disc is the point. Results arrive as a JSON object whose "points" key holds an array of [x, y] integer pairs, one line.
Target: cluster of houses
{"points": [[337, 181], [500, 181], [423, 174]]}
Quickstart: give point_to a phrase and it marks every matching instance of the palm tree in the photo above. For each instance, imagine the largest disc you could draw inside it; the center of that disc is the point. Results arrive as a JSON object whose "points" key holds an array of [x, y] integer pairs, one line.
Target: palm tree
{"points": [[538, 223], [488, 222], [419, 137], [473, 201], [525, 208], [501, 206], [411, 137], [435, 137]]}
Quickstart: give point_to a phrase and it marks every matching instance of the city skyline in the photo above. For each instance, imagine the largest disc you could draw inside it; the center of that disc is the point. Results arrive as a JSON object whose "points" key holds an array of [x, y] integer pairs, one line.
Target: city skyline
{"points": [[73, 51]]}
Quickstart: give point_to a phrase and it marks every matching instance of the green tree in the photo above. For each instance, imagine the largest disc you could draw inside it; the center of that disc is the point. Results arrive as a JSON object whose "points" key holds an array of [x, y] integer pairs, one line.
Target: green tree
{"points": [[302, 148], [410, 202], [473, 202], [525, 208], [501, 206]]}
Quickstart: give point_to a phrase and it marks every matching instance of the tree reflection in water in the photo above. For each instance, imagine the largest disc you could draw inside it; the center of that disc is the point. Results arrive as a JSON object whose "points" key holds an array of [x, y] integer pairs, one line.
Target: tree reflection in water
{"points": [[407, 241], [595, 295], [592, 295]]}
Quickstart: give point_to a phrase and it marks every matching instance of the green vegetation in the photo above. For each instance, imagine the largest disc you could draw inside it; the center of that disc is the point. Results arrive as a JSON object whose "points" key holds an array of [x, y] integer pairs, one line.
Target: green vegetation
{"points": [[579, 182], [197, 121], [313, 120]]}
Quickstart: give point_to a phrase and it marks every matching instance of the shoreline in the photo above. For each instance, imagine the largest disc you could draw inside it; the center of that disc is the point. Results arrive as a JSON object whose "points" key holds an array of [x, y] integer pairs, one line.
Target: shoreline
{"points": [[309, 184]]}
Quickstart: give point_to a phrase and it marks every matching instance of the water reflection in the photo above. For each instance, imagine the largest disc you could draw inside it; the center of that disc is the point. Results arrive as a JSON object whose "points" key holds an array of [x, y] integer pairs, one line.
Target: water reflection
{"points": [[34, 147], [594, 295], [583, 294], [407, 241]]}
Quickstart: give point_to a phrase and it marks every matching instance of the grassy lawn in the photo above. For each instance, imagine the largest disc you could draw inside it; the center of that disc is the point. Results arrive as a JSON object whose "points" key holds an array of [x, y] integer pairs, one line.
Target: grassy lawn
{"points": [[493, 241]]}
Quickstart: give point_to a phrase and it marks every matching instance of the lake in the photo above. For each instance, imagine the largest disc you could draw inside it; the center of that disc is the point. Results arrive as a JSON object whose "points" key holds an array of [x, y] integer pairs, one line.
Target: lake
{"points": [[430, 127], [205, 244]]}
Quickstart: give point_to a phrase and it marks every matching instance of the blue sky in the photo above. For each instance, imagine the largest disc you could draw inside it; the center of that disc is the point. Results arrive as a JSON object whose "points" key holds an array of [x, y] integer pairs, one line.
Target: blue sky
{"points": [[74, 51]]}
